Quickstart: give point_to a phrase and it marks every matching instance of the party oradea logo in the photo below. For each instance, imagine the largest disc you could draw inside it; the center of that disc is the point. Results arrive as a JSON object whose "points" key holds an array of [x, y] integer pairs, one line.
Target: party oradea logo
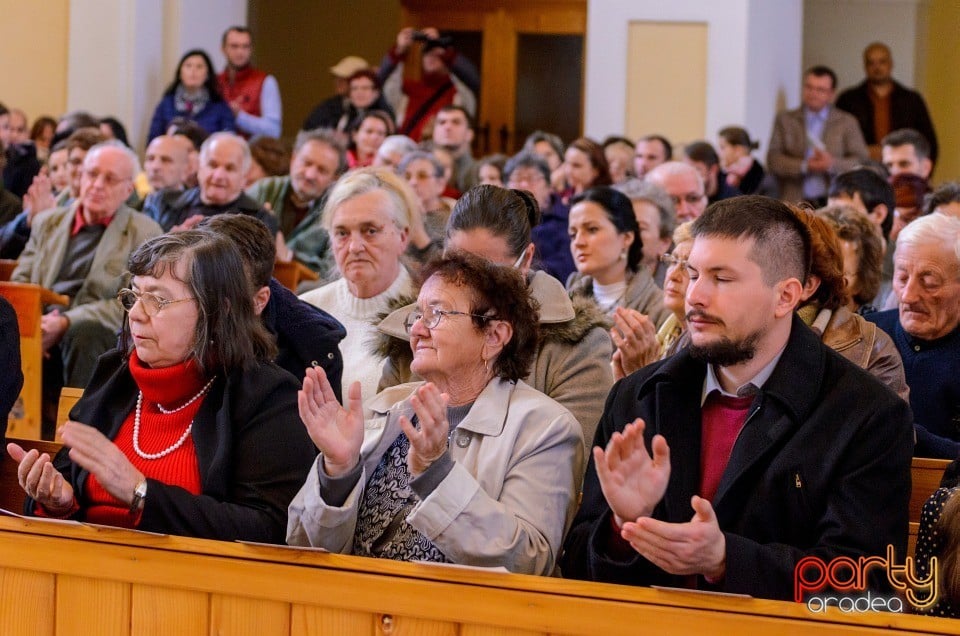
{"points": [[842, 582]]}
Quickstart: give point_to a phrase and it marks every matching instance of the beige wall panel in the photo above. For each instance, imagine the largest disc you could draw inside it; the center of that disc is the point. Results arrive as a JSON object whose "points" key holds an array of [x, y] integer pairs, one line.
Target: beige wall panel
{"points": [[939, 89], [35, 59], [672, 57], [79, 603]]}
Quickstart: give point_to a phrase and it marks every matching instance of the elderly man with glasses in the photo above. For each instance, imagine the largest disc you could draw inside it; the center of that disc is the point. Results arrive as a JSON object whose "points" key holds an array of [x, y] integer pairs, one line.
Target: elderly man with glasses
{"points": [[81, 252]]}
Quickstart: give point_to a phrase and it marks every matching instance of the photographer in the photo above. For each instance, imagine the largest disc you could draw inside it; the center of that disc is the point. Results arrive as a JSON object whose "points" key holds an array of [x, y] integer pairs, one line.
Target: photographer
{"points": [[447, 78]]}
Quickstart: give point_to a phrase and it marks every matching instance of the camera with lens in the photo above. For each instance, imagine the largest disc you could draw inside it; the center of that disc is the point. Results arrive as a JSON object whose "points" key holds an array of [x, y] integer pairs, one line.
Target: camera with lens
{"points": [[443, 41]]}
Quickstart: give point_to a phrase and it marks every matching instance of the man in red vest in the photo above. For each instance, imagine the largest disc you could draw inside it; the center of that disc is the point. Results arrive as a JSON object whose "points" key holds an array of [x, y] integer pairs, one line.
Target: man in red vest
{"points": [[253, 95]]}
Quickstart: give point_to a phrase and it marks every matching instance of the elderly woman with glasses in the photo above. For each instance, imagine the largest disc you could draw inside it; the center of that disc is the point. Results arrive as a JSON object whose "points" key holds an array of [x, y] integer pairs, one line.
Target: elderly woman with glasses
{"points": [[473, 466], [192, 431], [637, 341]]}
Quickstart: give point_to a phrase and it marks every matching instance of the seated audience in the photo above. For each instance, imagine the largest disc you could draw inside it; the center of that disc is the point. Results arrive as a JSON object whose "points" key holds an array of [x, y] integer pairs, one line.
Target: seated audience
{"points": [[945, 199], [193, 431], [823, 308], [490, 170], [224, 160], [529, 171], [296, 200], [363, 96], [862, 251], [453, 133], [269, 157], [57, 168], [606, 247], [392, 151], [366, 133], [742, 169], [191, 131], [11, 375], [650, 152], [906, 151], [637, 341], [551, 149], [584, 166], [939, 537], [193, 94], [10, 204], [22, 164], [368, 215], [330, 113], [656, 219], [474, 466], [81, 252], [926, 284], [112, 128], [618, 152], [573, 352], [870, 193], [909, 191], [728, 502], [305, 336], [167, 162], [424, 172], [684, 185], [41, 134], [704, 159]]}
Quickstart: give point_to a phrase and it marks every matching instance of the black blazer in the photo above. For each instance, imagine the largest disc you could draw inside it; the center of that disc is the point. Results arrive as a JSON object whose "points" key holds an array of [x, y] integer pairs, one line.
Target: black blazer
{"points": [[907, 110], [252, 449], [821, 467]]}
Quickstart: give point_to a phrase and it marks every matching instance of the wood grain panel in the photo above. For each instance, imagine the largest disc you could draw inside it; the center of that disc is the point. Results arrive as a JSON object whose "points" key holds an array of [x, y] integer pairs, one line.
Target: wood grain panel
{"points": [[391, 625], [310, 620], [80, 603], [161, 611], [26, 602], [239, 616], [487, 630]]}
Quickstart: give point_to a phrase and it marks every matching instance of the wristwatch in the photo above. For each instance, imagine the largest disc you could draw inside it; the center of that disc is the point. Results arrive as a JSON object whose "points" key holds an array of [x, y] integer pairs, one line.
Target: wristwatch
{"points": [[139, 496]]}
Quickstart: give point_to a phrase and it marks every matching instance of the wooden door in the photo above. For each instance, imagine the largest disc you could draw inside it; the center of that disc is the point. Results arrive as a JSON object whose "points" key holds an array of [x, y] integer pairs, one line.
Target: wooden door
{"points": [[508, 29]]}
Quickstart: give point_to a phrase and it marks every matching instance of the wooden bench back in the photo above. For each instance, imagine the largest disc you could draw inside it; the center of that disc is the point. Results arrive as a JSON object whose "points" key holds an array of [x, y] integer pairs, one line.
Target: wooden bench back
{"points": [[11, 494]]}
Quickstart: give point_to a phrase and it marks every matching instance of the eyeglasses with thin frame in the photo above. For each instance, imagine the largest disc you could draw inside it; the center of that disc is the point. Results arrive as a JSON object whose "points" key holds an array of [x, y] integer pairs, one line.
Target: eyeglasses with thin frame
{"points": [[431, 318], [672, 261], [150, 303]]}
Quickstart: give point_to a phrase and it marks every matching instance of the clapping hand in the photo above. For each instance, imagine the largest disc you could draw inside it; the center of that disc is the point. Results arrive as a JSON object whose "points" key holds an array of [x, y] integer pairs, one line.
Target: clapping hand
{"points": [[632, 481], [41, 481], [337, 432], [429, 442], [92, 451], [635, 337]]}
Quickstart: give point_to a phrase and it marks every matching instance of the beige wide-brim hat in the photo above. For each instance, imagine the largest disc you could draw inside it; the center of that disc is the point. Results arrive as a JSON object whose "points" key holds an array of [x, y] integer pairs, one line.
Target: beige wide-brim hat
{"points": [[348, 66]]}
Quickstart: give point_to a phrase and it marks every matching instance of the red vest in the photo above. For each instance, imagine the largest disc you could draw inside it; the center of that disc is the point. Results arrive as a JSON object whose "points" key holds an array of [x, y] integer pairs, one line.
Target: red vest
{"points": [[245, 86]]}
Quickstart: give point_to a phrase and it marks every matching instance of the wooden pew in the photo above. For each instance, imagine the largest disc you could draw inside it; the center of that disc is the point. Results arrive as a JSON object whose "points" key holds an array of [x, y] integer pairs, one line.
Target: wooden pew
{"points": [[28, 301], [66, 578], [68, 397], [6, 268], [292, 274], [11, 494], [925, 475]]}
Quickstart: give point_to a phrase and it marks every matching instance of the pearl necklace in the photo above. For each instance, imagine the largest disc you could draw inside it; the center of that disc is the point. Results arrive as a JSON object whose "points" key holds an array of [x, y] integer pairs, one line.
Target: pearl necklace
{"points": [[188, 402], [179, 442]]}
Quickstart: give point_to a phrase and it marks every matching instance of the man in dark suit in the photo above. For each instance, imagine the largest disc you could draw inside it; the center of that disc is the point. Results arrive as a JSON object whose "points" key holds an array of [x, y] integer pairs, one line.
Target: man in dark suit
{"points": [[814, 142], [882, 105], [766, 445]]}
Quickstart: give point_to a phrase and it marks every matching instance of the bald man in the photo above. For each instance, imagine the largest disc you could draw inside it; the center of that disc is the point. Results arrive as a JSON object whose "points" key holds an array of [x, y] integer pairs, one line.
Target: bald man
{"points": [[881, 104]]}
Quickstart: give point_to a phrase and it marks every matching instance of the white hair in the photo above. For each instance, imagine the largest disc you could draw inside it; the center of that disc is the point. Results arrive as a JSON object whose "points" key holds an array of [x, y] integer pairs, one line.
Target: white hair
{"points": [[224, 136], [934, 229], [400, 144], [659, 175], [119, 145]]}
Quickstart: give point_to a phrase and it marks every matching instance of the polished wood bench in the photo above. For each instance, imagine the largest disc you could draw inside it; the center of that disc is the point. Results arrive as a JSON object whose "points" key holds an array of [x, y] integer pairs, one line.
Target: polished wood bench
{"points": [[6, 268], [925, 476], [66, 578], [28, 301], [11, 494], [291, 274]]}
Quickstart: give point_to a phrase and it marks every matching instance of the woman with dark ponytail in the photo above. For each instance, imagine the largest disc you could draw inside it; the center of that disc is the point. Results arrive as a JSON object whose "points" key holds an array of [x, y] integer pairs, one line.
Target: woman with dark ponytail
{"points": [[743, 171], [572, 363]]}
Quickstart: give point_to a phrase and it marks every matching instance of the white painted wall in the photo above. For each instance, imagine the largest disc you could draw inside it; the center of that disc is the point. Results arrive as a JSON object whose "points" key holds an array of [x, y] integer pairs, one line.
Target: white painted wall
{"points": [[754, 49], [123, 53], [835, 32]]}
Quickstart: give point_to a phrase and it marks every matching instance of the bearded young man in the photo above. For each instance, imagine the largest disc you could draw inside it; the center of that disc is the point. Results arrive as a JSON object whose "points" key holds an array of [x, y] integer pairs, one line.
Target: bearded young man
{"points": [[766, 445]]}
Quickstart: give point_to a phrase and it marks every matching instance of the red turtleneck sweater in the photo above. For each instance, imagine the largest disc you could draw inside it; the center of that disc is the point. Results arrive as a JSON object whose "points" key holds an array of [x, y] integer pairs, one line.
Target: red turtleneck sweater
{"points": [[170, 387]]}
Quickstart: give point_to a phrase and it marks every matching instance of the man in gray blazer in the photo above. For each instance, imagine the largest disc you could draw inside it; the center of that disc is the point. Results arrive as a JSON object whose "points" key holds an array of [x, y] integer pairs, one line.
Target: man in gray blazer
{"points": [[814, 142], [81, 251]]}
